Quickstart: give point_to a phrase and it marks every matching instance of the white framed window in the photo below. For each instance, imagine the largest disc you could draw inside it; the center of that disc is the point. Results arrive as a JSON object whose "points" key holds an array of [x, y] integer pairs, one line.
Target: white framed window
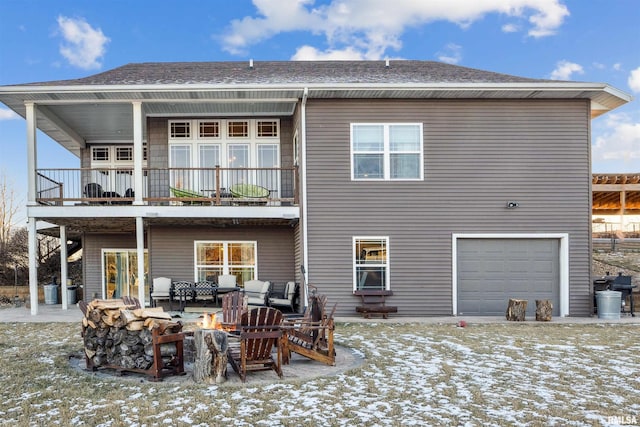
{"points": [[238, 129], [371, 263], [124, 154], [120, 273], [100, 154], [386, 151], [228, 143], [267, 128], [209, 129], [213, 258], [180, 129]]}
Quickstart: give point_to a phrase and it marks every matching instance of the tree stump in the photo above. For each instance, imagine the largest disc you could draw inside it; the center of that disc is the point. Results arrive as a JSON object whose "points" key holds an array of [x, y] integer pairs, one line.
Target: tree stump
{"points": [[516, 309], [544, 308], [210, 364]]}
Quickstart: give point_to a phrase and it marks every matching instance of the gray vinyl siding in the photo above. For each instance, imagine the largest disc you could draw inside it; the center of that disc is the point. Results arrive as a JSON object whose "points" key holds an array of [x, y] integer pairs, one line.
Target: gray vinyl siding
{"points": [[92, 258], [172, 250], [477, 156]]}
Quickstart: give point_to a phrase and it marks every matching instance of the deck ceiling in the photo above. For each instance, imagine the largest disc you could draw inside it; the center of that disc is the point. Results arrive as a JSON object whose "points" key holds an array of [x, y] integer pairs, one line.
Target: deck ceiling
{"points": [[76, 227], [616, 192]]}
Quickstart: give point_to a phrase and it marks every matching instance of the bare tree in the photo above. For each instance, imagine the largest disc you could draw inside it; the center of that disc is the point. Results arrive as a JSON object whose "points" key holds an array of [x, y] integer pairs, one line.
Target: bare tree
{"points": [[11, 251], [8, 210]]}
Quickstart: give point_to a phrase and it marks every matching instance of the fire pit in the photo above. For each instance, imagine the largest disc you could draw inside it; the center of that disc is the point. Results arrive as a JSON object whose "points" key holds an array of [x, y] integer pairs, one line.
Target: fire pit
{"points": [[210, 364]]}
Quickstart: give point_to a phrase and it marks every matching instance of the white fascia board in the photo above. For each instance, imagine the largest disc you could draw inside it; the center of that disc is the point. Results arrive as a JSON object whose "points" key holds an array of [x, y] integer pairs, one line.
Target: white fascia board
{"points": [[131, 211]]}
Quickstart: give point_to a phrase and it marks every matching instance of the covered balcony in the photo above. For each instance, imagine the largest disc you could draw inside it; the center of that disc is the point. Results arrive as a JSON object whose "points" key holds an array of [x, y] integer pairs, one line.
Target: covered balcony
{"points": [[215, 186]]}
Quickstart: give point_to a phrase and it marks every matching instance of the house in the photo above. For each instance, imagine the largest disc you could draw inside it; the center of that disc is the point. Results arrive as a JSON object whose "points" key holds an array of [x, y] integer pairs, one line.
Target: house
{"points": [[616, 205], [454, 187]]}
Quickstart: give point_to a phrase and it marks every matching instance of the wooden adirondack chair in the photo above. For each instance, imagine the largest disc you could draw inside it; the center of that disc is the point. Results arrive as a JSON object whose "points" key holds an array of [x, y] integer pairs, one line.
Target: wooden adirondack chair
{"points": [[312, 335], [259, 334], [234, 305]]}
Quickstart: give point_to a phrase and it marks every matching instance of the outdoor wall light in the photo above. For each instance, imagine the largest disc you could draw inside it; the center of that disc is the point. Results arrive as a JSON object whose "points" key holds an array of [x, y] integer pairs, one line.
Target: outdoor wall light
{"points": [[512, 205]]}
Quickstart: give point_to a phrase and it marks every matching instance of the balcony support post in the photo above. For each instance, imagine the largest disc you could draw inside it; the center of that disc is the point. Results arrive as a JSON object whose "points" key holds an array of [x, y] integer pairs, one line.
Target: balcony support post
{"points": [[140, 252], [32, 165], [63, 267], [33, 265], [137, 152]]}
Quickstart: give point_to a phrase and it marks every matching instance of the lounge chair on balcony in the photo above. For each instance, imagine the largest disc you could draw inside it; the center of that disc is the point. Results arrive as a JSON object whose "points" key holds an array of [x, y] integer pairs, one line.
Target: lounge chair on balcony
{"points": [[93, 190], [249, 194], [189, 195]]}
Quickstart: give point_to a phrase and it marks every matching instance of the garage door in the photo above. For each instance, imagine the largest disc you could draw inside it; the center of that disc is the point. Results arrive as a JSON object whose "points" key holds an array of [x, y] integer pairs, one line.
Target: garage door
{"points": [[490, 271]]}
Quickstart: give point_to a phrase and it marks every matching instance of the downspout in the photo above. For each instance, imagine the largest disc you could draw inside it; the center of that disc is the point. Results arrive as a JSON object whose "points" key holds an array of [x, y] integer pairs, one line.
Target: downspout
{"points": [[303, 185]]}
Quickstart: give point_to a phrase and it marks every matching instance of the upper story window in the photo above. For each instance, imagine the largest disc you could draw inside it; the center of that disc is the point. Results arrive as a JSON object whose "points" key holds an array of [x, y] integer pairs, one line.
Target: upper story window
{"points": [[100, 154], [209, 129], [267, 128], [124, 154], [386, 151], [238, 129], [180, 130]]}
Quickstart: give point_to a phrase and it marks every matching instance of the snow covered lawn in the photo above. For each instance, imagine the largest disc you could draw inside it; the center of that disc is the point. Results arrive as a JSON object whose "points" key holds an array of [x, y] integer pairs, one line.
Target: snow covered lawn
{"points": [[414, 374]]}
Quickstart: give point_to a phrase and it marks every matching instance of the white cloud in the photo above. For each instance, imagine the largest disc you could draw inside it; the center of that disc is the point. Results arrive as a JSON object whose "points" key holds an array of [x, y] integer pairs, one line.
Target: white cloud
{"points": [[510, 28], [452, 54], [564, 70], [6, 114], [634, 80], [372, 27], [619, 141], [83, 45], [310, 53]]}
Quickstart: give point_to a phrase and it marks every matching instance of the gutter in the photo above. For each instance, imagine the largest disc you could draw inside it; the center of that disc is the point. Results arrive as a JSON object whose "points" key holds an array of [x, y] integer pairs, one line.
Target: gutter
{"points": [[303, 184]]}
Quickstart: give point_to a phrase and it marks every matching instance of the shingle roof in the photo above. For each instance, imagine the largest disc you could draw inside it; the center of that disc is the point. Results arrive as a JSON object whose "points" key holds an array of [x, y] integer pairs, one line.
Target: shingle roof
{"points": [[290, 72]]}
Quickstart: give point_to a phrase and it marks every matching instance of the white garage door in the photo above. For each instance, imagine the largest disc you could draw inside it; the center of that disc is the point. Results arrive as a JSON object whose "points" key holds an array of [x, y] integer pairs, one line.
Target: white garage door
{"points": [[490, 271]]}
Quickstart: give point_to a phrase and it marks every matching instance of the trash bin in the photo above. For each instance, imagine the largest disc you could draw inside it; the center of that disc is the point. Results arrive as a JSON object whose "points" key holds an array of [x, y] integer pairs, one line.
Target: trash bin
{"points": [[609, 303], [51, 294], [71, 294]]}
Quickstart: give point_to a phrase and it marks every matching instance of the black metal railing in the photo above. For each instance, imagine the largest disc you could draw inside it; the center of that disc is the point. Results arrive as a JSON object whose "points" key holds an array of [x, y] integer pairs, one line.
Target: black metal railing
{"points": [[205, 186]]}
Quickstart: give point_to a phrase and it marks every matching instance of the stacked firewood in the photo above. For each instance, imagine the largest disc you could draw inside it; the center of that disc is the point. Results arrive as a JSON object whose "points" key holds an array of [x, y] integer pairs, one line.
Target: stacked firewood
{"points": [[117, 334]]}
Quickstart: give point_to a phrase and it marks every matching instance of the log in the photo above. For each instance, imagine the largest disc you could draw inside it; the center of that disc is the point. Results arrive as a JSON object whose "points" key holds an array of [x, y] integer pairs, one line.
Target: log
{"points": [[516, 309], [544, 308], [210, 364]]}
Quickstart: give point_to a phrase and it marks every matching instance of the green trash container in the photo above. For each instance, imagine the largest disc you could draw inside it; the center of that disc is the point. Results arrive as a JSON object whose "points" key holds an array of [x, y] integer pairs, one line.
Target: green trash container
{"points": [[609, 303]]}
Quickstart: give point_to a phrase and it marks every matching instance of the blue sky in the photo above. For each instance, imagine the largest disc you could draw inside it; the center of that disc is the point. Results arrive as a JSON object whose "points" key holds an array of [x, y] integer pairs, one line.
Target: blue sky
{"points": [[594, 40]]}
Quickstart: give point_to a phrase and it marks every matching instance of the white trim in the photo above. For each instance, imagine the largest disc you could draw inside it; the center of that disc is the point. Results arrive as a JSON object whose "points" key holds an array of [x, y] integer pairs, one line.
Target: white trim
{"points": [[563, 262], [386, 264], [226, 267], [103, 283], [63, 267], [302, 145], [386, 151]]}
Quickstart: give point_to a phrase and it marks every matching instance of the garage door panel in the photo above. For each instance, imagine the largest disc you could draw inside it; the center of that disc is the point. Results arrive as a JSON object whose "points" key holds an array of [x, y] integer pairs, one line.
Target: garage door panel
{"points": [[490, 271]]}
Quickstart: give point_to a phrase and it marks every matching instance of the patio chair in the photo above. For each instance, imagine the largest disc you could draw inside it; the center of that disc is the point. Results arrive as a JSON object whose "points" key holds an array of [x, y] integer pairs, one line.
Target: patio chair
{"points": [[312, 335], [226, 283], [257, 291], [204, 291], [234, 305], [260, 332], [161, 290], [288, 298], [181, 291]]}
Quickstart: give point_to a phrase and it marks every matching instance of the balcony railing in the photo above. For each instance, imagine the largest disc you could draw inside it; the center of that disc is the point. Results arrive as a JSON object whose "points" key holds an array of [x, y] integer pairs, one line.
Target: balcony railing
{"points": [[169, 186]]}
